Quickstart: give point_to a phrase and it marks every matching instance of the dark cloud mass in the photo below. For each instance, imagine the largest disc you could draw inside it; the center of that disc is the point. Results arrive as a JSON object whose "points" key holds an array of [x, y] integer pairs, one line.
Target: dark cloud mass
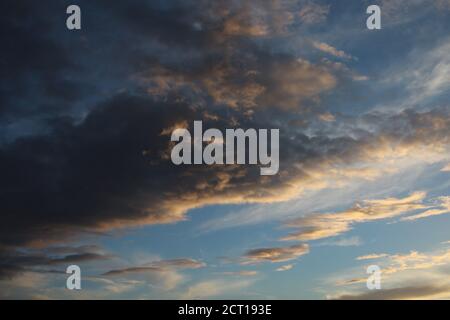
{"points": [[65, 171], [83, 116]]}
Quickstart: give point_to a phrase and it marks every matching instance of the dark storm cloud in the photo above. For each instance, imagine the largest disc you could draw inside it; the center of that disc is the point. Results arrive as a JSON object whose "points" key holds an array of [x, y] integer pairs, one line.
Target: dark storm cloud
{"points": [[48, 71], [108, 166], [112, 170], [34, 63]]}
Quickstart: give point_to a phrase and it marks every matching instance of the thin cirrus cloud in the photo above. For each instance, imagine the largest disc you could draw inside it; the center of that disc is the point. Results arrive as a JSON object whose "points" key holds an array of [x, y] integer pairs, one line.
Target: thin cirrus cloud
{"points": [[244, 273], [321, 226], [442, 207], [157, 266], [372, 256]]}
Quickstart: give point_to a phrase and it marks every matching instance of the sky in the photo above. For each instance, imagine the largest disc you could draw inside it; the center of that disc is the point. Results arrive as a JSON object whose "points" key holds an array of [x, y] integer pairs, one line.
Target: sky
{"points": [[87, 178]]}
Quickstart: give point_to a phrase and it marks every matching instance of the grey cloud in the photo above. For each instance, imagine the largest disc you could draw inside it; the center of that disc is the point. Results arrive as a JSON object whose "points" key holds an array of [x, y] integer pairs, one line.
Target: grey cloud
{"points": [[281, 254], [158, 266], [403, 293]]}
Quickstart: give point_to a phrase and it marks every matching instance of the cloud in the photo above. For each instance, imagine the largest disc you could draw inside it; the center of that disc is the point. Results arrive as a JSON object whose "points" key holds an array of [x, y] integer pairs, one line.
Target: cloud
{"points": [[397, 12], [158, 266], [213, 288], [403, 293], [313, 13], [344, 242], [331, 50], [403, 277], [372, 256], [107, 191], [163, 274], [22, 286], [78, 157], [407, 264], [416, 261], [276, 254], [318, 226], [327, 117], [442, 207], [275, 81], [446, 168], [14, 262], [371, 156], [245, 273], [285, 267], [423, 79], [180, 263]]}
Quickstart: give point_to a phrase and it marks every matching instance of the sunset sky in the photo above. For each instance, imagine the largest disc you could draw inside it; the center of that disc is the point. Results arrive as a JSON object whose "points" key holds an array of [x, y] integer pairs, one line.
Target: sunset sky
{"points": [[86, 176]]}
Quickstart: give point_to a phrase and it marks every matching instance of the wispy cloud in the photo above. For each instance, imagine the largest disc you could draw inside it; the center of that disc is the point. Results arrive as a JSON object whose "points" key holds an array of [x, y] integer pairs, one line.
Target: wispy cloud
{"points": [[212, 288], [318, 226], [244, 273], [442, 207], [159, 266], [402, 293], [344, 242], [313, 13], [285, 267], [280, 254], [372, 256], [324, 47]]}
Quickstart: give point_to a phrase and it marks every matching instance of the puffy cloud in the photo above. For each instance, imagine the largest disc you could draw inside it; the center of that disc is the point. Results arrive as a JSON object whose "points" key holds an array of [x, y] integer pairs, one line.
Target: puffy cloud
{"points": [[275, 81]]}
